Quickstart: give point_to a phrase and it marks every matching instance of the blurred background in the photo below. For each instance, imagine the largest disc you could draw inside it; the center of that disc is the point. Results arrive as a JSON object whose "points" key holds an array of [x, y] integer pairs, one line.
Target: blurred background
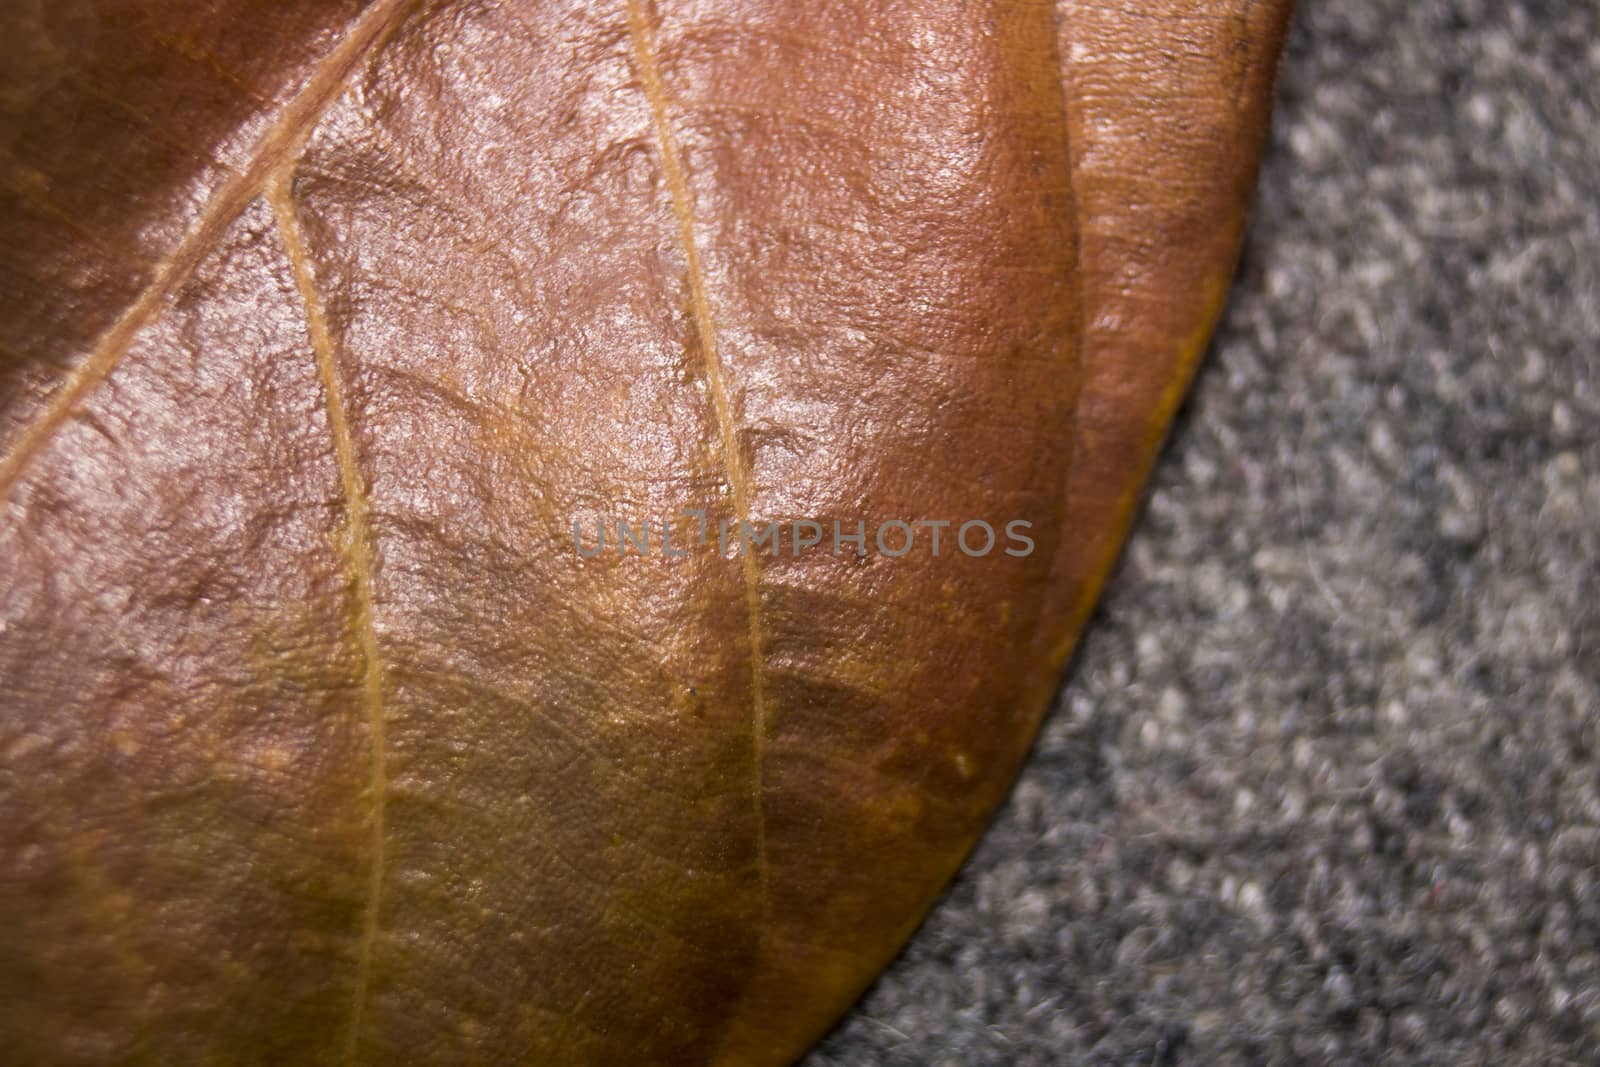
{"points": [[1323, 786]]}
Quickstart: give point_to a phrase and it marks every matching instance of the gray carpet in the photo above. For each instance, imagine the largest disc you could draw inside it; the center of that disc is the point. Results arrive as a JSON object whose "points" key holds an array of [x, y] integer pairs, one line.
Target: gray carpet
{"points": [[1323, 786]]}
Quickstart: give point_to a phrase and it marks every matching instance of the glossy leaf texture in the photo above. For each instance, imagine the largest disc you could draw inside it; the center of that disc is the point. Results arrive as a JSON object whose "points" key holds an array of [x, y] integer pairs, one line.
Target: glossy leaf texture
{"points": [[323, 321]]}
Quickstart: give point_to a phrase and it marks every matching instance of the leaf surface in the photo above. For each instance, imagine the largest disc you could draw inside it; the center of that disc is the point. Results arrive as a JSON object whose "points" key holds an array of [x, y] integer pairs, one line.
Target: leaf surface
{"points": [[323, 323]]}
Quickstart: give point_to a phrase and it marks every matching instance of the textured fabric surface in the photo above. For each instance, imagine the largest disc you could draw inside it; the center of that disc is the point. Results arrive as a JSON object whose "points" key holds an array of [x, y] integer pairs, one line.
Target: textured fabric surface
{"points": [[1323, 785]]}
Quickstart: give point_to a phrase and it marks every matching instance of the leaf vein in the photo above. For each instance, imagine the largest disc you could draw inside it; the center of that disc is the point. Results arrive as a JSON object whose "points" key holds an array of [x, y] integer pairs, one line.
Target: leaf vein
{"points": [[649, 71], [282, 141], [358, 559], [1080, 358]]}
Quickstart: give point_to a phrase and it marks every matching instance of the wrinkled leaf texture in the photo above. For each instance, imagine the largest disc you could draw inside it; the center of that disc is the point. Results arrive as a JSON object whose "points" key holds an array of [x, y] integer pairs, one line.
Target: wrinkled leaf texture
{"points": [[324, 319]]}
